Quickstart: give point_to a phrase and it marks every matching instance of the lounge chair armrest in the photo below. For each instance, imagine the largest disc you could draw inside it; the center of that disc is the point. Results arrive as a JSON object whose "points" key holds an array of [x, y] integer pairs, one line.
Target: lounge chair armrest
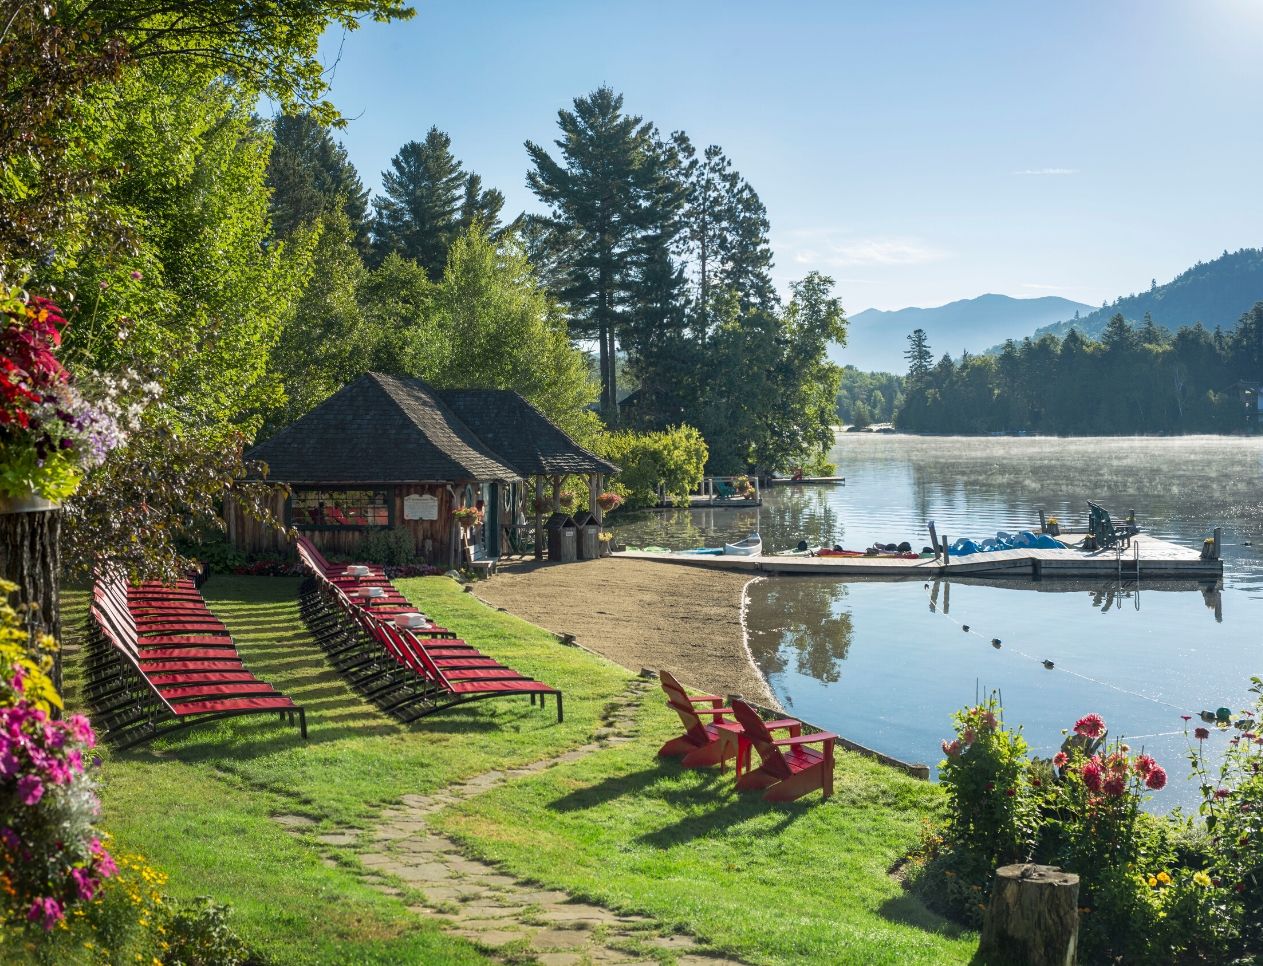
{"points": [[714, 711], [703, 698], [806, 739], [780, 723]]}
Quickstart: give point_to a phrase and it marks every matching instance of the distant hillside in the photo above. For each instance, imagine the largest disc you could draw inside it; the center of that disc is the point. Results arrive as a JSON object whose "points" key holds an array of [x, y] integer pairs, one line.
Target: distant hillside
{"points": [[876, 339], [1213, 293]]}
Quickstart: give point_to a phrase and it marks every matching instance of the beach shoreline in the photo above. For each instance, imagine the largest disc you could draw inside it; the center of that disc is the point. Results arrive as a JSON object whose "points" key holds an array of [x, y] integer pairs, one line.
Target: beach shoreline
{"points": [[688, 621]]}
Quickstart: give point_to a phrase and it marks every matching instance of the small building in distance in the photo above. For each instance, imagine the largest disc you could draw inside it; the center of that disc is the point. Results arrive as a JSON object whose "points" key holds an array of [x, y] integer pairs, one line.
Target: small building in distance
{"points": [[1250, 395], [393, 454]]}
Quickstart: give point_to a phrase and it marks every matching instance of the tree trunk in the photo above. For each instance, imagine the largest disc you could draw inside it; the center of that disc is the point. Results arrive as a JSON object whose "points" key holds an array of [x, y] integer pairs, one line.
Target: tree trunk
{"points": [[30, 556], [1033, 919]]}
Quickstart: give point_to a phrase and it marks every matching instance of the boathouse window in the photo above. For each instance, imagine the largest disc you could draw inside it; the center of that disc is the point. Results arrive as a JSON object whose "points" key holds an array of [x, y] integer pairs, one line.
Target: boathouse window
{"points": [[339, 509]]}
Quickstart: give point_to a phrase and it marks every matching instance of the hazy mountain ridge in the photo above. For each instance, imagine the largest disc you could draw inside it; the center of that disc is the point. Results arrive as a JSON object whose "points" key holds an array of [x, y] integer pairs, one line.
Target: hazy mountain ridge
{"points": [[1214, 293], [876, 338]]}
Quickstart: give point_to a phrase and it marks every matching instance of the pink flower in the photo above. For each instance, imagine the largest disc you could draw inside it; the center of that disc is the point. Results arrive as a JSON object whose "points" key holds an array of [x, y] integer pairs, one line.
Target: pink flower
{"points": [[47, 912], [969, 736], [1091, 774], [1114, 785], [137, 276], [85, 885], [1222, 793], [1061, 759], [1187, 717], [30, 789], [1201, 734], [988, 719], [1145, 764], [1090, 726], [1157, 778], [952, 748]]}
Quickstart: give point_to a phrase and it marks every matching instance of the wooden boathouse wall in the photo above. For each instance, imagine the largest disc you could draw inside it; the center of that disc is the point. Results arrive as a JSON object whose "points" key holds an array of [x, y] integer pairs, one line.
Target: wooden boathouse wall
{"points": [[432, 540]]}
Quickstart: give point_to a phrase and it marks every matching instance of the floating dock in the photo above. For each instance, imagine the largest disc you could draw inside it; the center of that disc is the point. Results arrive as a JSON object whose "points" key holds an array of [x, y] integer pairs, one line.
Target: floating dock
{"points": [[806, 481], [1147, 557]]}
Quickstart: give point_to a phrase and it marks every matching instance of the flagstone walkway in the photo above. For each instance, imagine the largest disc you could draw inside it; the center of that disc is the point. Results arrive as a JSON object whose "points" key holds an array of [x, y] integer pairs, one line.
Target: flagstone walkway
{"points": [[510, 919]]}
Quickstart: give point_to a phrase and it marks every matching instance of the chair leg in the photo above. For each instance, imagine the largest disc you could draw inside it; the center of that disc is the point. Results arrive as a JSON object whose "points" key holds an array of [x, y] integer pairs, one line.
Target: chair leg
{"points": [[560, 713]]}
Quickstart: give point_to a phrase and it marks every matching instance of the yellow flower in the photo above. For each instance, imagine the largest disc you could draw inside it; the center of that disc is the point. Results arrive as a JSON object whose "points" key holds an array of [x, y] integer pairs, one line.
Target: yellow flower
{"points": [[1153, 883], [1164, 878], [1201, 879]]}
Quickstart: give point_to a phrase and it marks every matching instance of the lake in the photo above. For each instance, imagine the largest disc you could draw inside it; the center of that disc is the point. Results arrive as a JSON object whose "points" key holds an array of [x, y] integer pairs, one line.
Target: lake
{"points": [[886, 662]]}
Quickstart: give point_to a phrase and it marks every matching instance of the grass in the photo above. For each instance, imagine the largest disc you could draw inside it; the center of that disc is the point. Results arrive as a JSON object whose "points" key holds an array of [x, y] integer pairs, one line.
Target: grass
{"points": [[798, 883], [805, 882]]}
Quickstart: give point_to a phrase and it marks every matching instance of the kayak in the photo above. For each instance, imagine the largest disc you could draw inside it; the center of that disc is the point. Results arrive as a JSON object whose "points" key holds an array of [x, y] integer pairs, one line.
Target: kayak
{"points": [[749, 547]]}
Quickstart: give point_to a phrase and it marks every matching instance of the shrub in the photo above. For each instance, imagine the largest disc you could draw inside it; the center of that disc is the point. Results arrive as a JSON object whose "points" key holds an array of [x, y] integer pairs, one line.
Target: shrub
{"points": [[392, 546], [674, 458]]}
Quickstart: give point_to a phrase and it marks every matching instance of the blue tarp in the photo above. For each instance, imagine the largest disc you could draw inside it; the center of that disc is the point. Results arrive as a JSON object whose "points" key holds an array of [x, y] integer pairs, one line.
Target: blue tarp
{"points": [[1005, 541]]}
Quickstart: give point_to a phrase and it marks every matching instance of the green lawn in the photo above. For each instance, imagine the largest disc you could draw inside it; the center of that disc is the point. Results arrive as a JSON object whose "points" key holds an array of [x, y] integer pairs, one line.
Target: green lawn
{"points": [[800, 883]]}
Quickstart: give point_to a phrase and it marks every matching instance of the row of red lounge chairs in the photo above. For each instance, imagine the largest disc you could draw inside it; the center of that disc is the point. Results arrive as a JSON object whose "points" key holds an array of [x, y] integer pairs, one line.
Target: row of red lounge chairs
{"points": [[159, 661], [399, 659], [789, 767]]}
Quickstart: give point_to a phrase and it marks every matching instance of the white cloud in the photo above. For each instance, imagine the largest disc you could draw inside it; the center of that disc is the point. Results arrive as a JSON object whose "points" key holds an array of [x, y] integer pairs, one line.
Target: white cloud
{"points": [[1039, 172], [882, 251], [1042, 287]]}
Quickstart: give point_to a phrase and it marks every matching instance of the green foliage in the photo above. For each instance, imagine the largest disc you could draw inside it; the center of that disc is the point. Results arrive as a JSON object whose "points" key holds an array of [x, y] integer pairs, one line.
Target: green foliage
{"points": [[674, 458], [198, 934], [879, 393], [395, 546], [427, 201], [1132, 381]]}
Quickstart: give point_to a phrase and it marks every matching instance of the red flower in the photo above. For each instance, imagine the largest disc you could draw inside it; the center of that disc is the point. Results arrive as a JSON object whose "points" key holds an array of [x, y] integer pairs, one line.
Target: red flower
{"points": [[1222, 793], [1091, 774], [1201, 734], [990, 786], [1145, 764], [1090, 726], [1061, 759], [1010, 792], [1114, 785], [1157, 778]]}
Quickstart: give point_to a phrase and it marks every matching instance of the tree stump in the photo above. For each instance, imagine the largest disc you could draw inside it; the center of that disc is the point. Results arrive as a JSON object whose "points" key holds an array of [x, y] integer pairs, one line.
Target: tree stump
{"points": [[1033, 919]]}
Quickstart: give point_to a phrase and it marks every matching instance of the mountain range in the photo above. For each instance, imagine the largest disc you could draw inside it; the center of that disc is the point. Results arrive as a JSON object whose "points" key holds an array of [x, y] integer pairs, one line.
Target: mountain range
{"points": [[1215, 293], [876, 339]]}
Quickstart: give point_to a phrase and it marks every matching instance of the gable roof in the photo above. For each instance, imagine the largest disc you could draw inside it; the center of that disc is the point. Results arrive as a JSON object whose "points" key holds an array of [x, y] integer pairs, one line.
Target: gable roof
{"points": [[380, 429], [520, 434]]}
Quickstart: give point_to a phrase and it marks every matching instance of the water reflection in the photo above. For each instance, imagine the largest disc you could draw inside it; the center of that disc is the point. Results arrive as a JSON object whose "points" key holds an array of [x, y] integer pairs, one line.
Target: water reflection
{"points": [[886, 663]]}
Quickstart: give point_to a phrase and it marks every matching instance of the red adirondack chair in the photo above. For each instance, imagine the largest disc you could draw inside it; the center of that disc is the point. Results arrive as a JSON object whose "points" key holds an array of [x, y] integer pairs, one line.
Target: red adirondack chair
{"points": [[701, 744], [790, 767]]}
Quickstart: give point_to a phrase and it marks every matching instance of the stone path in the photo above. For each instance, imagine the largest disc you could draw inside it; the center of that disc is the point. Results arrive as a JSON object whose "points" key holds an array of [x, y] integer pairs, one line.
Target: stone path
{"points": [[511, 920]]}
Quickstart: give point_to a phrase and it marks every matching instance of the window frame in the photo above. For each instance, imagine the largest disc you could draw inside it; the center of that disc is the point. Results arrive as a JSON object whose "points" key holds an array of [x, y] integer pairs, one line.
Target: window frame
{"points": [[388, 493]]}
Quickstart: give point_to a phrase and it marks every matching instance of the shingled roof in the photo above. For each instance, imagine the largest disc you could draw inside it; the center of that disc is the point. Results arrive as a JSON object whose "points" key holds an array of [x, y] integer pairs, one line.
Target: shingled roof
{"points": [[520, 434], [380, 429]]}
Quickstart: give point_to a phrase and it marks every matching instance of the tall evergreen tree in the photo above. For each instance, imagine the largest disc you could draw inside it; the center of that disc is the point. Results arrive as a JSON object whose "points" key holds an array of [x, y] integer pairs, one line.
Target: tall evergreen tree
{"points": [[602, 197], [428, 200], [919, 356], [310, 175]]}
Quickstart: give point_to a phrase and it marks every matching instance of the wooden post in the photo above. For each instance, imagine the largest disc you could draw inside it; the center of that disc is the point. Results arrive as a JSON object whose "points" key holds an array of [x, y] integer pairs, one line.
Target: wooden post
{"points": [[539, 518], [946, 544], [1043, 521], [933, 538], [1218, 537], [1033, 918], [594, 490], [557, 494]]}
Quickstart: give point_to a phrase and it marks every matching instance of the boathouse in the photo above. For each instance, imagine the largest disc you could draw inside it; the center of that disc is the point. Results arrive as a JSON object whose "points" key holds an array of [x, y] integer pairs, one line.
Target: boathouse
{"points": [[388, 453]]}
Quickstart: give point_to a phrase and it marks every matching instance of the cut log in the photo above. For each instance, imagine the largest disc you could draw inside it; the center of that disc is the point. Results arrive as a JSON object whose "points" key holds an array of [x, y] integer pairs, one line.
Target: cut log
{"points": [[30, 556], [1033, 918]]}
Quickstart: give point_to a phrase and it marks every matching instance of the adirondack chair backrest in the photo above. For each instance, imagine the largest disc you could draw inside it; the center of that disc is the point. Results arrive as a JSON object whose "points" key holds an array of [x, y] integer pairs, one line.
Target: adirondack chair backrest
{"points": [[758, 736], [678, 701]]}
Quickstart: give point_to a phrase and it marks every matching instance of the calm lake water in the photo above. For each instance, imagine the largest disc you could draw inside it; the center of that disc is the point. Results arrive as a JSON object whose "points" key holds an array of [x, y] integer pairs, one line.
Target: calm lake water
{"points": [[886, 662]]}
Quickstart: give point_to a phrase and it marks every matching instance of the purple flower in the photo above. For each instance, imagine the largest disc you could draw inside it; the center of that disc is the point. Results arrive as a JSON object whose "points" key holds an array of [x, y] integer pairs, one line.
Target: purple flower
{"points": [[47, 912], [10, 839], [137, 276], [85, 885], [30, 789]]}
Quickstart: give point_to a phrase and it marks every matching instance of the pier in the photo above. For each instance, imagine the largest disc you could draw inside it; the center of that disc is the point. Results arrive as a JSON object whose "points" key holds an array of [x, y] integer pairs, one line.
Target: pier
{"points": [[1147, 557]]}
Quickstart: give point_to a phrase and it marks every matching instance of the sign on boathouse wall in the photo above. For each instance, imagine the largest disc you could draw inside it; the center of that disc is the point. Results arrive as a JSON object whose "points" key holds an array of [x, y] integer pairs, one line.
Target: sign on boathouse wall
{"points": [[418, 507]]}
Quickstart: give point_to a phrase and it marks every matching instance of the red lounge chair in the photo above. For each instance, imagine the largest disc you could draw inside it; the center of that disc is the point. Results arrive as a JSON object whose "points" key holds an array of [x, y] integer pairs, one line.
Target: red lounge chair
{"points": [[790, 767], [702, 743], [140, 691]]}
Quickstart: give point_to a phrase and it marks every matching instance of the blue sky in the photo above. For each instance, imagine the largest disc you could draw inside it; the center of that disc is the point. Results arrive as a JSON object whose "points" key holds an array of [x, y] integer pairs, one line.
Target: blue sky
{"points": [[919, 152]]}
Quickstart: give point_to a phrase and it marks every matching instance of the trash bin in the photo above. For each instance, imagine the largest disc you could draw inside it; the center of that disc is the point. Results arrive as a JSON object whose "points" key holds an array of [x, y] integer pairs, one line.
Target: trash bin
{"points": [[562, 538], [589, 535]]}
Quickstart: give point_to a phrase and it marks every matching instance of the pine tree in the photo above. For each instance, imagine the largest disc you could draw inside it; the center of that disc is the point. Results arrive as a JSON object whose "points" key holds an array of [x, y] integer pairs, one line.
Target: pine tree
{"points": [[428, 200], [310, 175], [919, 356], [603, 197]]}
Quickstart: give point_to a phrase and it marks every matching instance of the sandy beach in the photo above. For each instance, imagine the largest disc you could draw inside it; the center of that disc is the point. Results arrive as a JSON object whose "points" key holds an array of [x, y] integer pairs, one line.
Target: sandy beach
{"points": [[640, 614]]}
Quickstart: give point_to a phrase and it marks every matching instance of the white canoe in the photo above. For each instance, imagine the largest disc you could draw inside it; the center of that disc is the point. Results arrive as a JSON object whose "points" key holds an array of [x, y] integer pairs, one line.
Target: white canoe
{"points": [[751, 546]]}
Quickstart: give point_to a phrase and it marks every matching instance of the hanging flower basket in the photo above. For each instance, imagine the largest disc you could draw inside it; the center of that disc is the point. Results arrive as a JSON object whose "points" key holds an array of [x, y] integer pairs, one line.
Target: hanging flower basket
{"points": [[567, 501], [31, 502], [467, 516], [609, 501]]}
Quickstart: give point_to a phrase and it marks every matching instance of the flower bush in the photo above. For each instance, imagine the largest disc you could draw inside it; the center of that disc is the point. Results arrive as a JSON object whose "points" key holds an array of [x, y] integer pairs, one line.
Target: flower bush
{"points": [[52, 428], [467, 516], [609, 500], [51, 855], [1149, 887]]}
